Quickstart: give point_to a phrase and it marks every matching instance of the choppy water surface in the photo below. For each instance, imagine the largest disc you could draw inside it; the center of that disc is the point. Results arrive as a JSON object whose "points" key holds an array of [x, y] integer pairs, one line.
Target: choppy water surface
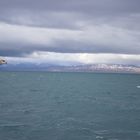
{"points": [[69, 106]]}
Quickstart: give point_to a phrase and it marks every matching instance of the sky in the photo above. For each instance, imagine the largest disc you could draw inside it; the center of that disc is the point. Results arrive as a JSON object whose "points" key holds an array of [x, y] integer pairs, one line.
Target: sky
{"points": [[70, 32]]}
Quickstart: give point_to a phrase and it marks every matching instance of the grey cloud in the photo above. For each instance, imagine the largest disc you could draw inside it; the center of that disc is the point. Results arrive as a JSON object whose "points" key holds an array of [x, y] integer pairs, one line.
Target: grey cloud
{"points": [[74, 5], [67, 46], [93, 8], [13, 50], [60, 20], [71, 46], [39, 13], [73, 15], [20, 40]]}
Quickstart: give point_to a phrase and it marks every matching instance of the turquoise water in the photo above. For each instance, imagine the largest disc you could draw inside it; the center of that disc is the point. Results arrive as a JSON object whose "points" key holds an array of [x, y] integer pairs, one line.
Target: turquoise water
{"points": [[69, 106]]}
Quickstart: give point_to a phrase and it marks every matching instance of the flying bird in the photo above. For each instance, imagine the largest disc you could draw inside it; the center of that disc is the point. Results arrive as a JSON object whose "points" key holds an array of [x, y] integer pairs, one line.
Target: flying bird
{"points": [[2, 61]]}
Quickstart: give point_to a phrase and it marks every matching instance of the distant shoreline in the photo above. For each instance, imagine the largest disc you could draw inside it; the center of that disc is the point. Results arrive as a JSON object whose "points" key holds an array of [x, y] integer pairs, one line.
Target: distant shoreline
{"points": [[69, 72]]}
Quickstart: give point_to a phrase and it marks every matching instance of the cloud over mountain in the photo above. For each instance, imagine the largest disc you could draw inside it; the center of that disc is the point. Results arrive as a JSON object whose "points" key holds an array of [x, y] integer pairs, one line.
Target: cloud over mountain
{"points": [[76, 26]]}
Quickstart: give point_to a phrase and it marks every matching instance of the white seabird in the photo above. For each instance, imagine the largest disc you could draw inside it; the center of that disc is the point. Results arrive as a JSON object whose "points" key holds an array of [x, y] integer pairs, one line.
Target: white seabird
{"points": [[2, 61]]}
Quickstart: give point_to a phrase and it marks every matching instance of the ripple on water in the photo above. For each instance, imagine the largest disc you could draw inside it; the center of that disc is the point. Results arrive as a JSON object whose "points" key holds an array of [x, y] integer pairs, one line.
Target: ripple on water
{"points": [[11, 127]]}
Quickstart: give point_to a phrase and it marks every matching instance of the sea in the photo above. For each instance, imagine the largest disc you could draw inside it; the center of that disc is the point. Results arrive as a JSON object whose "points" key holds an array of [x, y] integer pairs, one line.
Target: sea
{"points": [[69, 106]]}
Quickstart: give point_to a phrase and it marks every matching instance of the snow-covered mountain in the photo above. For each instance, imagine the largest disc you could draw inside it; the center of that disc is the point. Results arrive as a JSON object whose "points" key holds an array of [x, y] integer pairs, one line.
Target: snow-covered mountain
{"points": [[105, 68]]}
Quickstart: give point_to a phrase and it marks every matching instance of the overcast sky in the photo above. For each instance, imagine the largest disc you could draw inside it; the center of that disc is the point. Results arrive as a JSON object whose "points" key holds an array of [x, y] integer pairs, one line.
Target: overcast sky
{"points": [[70, 31]]}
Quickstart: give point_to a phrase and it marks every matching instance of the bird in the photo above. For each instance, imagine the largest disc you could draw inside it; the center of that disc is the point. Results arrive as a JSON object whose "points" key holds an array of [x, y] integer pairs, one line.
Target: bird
{"points": [[2, 61]]}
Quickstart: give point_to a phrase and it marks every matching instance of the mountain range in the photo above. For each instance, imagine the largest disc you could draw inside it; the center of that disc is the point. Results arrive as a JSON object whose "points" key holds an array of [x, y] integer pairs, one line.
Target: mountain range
{"points": [[107, 68]]}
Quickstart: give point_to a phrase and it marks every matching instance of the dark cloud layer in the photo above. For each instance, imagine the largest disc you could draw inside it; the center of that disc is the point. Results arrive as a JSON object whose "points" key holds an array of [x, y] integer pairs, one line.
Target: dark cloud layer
{"points": [[118, 6], [88, 8]]}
